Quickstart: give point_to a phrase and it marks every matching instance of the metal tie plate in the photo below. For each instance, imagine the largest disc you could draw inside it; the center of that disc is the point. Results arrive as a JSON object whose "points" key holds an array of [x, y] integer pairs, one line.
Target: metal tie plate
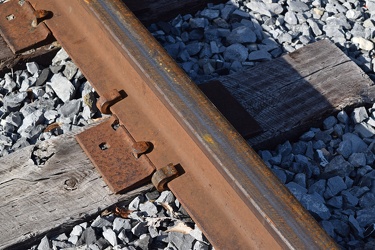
{"points": [[110, 148], [16, 26]]}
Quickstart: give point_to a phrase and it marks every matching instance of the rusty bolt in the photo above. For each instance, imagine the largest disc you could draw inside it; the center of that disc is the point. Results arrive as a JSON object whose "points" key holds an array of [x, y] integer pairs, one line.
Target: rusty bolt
{"points": [[107, 100], [162, 176], [140, 148]]}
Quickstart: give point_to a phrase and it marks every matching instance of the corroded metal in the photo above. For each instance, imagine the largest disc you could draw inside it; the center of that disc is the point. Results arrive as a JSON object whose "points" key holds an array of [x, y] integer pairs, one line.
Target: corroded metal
{"points": [[110, 148], [16, 26], [140, 147], [225, 186], [164, 175], [106, 100]]}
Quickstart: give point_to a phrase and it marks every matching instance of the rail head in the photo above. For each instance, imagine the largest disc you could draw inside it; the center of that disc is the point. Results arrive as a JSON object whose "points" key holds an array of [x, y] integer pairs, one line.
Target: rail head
{"points": [[181, 110]]}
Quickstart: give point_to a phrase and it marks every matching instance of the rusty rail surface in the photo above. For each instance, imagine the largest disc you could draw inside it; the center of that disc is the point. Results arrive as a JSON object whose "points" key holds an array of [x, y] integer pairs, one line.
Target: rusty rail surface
{"points": [[226, 188]]}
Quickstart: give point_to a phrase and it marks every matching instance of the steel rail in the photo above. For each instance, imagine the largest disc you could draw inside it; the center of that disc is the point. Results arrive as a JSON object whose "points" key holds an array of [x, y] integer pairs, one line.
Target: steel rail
{"points": [[227, 189]]}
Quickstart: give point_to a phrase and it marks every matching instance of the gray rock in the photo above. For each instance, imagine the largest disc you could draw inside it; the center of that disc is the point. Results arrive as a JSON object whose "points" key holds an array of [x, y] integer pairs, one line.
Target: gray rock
{"points": [[199, 22], [359, 114], [13, 102], [110, 236], [329, 122], [343, 117], [358, 145], [314, 203], [364, 130], [240, 14], [259, 55], [300, 179], [290, 18], [14, 119], [70, 70], [77, 230], [63, 88], [338, 166], [120, 223], [259, 7], [363, 43], [88, 236], [210, 14], [123, 236], [315, 28], [334, 186], [181, 241], [61, 245], [357, 159], [32, 67], [309, 135], [193, 48], [153, 231], [318, 187], [328, 227], [134, 204], [236, 52], [367, 179], [148, 208], [336, 202], [44, 244], [341, 227], [44, 75], [285, 38], [73, 239], [140, 228], [345, 148], [241, 34], [55, 69], [165, 196], [367, 200], [32, 120], [365, 216], [60, 56], [143, 242], [297, 190], [280, 174], [299, 147], [9, 85], [200, 246], [358, 231], [70, 108], [349, 199], [297, 6], [227, 11], [101, 222]]}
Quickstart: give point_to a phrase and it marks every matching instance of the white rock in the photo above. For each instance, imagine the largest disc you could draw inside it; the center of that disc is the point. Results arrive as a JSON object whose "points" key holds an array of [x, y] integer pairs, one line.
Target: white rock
{"points": [[368, 23], [60, 56], [32, 67], [73, 239], [44, 244], [77, 230], [110, 236], [363, 43], [63, 88]]}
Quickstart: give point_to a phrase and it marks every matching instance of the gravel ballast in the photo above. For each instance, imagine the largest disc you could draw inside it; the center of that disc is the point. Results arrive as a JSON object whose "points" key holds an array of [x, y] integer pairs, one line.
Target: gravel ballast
{"points": [[330, 170]]}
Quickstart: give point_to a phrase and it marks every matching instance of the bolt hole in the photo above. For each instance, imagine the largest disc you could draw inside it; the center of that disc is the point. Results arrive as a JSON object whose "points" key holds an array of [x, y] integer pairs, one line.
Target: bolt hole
{"points": [[10, 17], [104, 146], [115, 125]]}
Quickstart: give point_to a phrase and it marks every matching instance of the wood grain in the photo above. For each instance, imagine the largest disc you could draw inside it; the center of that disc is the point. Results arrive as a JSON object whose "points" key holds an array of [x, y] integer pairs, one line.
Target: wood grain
{"points": [[40, 199], [289, 94]]}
